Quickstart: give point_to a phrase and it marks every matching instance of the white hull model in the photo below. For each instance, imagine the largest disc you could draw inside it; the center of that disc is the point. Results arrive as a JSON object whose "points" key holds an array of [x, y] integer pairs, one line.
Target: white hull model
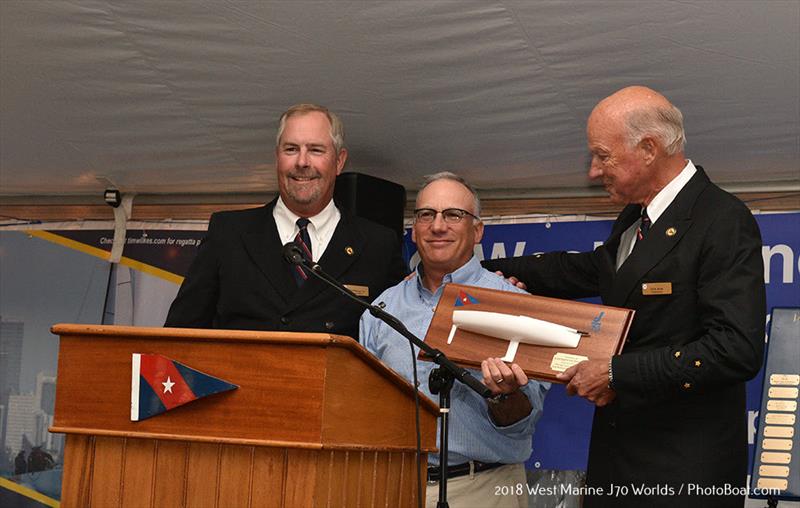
{"points": [[514, 329]]}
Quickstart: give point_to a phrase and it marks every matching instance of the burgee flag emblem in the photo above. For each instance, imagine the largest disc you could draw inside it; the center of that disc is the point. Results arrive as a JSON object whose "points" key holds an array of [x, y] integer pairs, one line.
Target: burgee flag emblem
{"points": [[464, 298], [159, 384]]}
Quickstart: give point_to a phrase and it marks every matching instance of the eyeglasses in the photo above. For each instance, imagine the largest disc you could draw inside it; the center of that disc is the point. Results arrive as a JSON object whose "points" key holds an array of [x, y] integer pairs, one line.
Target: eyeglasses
{"points": [[450, 215]]}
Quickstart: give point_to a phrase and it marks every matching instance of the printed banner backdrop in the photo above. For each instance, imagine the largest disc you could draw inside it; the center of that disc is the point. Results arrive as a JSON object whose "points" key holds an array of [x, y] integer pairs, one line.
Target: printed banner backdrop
{"points": [[41, 283], [155, 260]]}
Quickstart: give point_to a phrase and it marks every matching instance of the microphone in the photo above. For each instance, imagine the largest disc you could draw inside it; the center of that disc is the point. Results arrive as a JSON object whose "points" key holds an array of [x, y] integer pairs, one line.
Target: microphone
{"points": [[293, 254]]}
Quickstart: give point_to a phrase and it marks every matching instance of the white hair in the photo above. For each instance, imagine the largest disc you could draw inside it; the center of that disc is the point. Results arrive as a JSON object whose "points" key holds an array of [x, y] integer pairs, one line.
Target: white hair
{"points": [[665, 123]]}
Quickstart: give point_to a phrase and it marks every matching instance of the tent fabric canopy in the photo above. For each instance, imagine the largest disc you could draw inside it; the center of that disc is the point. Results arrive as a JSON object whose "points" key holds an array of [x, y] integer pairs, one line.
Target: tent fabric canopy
{"points": [[168, 97]]}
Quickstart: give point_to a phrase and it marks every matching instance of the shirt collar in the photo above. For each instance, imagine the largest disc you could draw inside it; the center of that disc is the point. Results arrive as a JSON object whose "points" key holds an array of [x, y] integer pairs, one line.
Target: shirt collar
{"points": [[320, 221], [467, 274], [667, 195]]}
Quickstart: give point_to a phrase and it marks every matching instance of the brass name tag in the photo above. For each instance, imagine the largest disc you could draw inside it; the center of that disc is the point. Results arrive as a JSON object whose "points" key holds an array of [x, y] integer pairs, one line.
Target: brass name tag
{"points": [[776, 457], [782, 405], [563, 361], [783, 392], [776, 431], [772, 483], [776, 444], [779, 419], [773, 471], [358, 290], [656, 288], [785, 379]]}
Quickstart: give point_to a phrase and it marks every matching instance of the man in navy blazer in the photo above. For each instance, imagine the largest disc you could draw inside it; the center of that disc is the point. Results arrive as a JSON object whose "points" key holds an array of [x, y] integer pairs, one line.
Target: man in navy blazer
{"points": [[239, 278], [670, 423]]}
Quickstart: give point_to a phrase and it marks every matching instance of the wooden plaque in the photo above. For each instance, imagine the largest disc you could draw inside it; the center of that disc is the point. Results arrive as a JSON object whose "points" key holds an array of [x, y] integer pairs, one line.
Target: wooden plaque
{"points": [[605, 329]]}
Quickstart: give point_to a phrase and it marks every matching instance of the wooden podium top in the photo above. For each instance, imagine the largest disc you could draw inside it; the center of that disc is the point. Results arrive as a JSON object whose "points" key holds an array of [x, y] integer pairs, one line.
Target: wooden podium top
{"points": [[304, 390]]}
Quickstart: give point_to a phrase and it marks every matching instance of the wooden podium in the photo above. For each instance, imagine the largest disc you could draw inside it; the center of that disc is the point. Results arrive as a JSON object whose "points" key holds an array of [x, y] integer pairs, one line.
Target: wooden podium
{"points": [[316, 421]]}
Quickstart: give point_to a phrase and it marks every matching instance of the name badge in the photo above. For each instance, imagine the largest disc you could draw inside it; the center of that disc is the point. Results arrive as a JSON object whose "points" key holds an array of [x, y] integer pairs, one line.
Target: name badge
{"points": [[358, 290], [656, 288]]}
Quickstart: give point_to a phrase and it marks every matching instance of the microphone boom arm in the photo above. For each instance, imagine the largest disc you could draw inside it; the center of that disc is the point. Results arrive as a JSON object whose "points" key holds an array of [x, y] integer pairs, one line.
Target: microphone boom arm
{"points": [[459, 373]]}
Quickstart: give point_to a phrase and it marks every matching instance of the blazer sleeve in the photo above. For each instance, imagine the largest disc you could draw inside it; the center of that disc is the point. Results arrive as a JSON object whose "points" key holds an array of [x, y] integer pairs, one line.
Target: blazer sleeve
{"points": [[196, 302], [398, 269], [731, 309], [555, 274]]}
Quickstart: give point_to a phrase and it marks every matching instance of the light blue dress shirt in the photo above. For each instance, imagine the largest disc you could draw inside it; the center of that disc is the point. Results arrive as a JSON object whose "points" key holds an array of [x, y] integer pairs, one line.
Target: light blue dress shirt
{"points": [[473, 435]]}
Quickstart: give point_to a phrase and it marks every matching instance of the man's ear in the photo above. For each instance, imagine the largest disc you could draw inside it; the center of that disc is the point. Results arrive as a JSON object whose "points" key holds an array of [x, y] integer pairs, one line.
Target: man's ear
{"points": [[340, 160], [649, 148], [478, 232]]}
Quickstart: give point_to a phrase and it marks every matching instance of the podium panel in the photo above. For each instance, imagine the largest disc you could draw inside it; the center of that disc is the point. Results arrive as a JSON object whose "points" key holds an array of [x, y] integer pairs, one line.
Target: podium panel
{"points": [[316, 421]]}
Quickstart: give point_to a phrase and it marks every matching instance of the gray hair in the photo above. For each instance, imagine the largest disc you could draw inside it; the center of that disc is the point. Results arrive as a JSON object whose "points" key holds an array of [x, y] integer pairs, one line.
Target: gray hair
{"points": [[337, 128], [447, 175], [665, 123]]}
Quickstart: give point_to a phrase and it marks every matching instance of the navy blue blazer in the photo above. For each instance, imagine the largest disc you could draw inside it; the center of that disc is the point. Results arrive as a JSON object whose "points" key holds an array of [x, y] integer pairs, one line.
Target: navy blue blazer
{"points": [[239, 279]]}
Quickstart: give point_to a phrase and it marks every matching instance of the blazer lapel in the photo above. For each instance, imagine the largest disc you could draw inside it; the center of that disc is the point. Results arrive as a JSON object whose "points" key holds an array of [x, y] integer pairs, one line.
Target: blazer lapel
{"points": [[663, 236], [608, 270], [263, 245]]}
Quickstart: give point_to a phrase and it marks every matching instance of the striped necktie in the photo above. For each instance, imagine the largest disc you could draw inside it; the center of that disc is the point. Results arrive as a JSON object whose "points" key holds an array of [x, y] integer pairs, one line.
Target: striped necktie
{"points": [[644, 226], [304, 242]]}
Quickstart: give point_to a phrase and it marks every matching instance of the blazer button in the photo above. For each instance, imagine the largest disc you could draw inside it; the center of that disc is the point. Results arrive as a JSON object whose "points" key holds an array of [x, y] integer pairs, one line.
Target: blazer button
{"points": [[329, 325], [284, 320]]}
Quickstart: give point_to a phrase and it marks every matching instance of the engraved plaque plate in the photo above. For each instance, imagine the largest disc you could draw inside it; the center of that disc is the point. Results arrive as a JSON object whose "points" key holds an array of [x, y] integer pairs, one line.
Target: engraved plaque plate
{"points": [[785, 379], [777, 444], [782, 471], [776, 457], [772, 483], [782, 405], [563, 361], [782, 392], [775, 431], [779, 419]]}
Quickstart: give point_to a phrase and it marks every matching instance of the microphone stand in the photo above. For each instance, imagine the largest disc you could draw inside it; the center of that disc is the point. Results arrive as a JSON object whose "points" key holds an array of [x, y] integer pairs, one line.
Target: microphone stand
{"points": [[440, 380]]}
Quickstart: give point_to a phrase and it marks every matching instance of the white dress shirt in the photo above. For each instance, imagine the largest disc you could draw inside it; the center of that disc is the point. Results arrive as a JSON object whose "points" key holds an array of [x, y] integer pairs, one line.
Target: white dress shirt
{"points": [[655, 209], [320, 229]]}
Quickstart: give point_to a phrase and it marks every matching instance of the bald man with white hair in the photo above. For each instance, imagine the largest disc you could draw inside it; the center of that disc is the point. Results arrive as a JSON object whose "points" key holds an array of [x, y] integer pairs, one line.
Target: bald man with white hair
{"points": [[670, 421]]}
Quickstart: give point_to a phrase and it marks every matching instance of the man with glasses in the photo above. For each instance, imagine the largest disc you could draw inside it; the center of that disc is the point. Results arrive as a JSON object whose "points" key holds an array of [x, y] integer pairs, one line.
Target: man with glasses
{"points": [[489, 440]]}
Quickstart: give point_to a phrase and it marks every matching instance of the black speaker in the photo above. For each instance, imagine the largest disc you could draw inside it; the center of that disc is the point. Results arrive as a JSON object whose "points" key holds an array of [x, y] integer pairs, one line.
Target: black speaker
{"points": [[372, 198]]}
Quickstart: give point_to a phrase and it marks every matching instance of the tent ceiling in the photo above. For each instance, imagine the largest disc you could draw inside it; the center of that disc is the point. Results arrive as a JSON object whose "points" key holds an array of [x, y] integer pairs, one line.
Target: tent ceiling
{"points": [[182, 96]]}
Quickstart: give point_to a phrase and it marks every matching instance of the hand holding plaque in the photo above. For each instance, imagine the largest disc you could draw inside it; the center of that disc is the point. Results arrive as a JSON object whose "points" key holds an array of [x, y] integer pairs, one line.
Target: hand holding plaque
{"points": [[545, 336]]}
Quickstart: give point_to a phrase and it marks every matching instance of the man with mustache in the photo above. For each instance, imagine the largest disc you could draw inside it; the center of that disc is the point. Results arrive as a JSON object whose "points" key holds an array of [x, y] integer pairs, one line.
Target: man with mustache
{"points": [[670, 422], [239, 279]]}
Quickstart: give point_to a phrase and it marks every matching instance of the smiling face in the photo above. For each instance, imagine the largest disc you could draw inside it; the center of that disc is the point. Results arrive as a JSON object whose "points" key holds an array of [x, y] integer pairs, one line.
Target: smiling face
{"points": [[445, 247], [307, 163]]}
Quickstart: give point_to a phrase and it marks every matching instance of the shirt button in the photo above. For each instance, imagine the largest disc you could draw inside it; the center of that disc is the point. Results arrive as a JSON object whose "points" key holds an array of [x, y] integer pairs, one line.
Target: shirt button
{"points": [[329, 325], [284, 320]]}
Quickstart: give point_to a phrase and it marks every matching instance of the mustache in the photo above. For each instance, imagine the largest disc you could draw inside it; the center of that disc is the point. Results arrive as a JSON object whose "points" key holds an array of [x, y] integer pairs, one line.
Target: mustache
{"points": [[311, 173]]}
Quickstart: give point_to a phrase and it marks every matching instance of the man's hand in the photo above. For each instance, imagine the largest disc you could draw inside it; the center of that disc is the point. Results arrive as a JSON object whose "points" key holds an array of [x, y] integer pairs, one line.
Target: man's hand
{"points": [[504, 380], [501, 378], [589, 379], [513, 280]]}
